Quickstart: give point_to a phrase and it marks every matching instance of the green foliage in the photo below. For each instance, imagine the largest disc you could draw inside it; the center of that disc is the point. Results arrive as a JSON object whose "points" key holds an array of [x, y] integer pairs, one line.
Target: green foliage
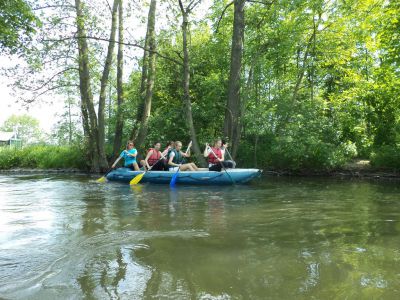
{"points": [[387, 157], [320, 83], [43, 157], [17, 24]]}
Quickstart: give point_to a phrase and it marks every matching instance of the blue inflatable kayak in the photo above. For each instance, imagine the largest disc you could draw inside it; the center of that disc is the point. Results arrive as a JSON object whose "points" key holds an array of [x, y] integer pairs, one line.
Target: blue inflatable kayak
{"points": [[187, 177]]}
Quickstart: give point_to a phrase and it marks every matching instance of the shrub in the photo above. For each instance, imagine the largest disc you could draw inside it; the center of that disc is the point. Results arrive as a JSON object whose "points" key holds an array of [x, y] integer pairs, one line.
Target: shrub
{"points": [[387, 156], [9, 158]]}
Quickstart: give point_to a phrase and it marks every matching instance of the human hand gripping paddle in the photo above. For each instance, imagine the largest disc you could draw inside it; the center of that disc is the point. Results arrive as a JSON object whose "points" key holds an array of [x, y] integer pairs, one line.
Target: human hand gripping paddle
{"points": [[103, 179], [173, 179], [222, 165], [137, 178]]}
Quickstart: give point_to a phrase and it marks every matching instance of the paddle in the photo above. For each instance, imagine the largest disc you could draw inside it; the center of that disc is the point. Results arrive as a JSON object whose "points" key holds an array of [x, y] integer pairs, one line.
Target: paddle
{"points": [[173, 179], [227, 151], [103, 179], [137, 178], [222, 165]]}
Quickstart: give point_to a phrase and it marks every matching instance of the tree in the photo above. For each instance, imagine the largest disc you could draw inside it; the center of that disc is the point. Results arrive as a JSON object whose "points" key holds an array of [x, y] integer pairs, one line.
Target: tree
{"points": [[93, 124], [119, 123], [232, 124], [68, 130], [186, 77], [148, 76], [27, 128]]}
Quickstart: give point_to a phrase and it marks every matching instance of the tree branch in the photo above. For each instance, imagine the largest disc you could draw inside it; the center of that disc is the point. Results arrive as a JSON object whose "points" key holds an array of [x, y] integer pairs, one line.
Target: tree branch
{"points": [[117, 42], [48, 81], [222, 14], [260, 2], [53, 6], [49, 90], [109, 6], [192, 5], [181, 6]]}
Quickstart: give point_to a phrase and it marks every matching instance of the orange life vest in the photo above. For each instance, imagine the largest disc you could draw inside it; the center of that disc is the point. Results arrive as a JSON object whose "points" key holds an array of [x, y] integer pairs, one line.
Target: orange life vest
{"points": [[211, 157], [154, 157]]}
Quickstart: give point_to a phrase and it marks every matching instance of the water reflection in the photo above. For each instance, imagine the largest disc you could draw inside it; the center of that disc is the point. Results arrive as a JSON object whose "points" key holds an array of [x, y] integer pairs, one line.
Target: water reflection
{"points": [[279, 239]]}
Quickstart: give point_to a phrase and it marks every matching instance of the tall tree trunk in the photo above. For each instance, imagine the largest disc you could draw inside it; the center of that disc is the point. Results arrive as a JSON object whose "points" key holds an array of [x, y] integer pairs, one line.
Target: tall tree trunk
{"points": [[89, 117], [103, 85], [305, 58], [232, 127], [150, 75], [120, 65], [69, 121], [143, 81], [93, 126], [186, 85]]}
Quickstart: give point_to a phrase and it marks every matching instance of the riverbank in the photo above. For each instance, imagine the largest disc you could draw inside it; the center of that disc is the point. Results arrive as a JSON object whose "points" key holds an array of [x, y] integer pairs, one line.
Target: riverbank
{"points": [[355, 169], [24, 171]]}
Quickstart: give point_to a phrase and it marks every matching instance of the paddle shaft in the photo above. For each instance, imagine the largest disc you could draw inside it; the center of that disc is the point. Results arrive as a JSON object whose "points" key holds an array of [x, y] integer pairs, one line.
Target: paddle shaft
{"points": [[110, 169], [139, 177], [151, 167], [227, 151]]}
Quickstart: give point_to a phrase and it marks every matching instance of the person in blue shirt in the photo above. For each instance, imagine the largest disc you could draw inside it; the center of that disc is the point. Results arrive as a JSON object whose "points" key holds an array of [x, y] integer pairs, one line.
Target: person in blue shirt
{"points": [[129, 156]]}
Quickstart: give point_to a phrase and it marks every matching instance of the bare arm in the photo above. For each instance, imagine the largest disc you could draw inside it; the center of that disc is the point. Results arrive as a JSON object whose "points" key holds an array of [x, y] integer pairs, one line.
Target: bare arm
{"points": [[206, 150]]}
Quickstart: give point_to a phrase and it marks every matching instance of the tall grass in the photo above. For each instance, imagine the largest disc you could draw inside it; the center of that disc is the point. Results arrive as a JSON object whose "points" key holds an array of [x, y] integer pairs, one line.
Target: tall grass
{"points": [[43, 157]]}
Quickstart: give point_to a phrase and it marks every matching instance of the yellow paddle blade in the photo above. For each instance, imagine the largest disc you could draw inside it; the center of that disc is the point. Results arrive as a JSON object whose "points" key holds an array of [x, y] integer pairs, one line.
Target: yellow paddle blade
{"points": [[101, 180], [136, 179]]}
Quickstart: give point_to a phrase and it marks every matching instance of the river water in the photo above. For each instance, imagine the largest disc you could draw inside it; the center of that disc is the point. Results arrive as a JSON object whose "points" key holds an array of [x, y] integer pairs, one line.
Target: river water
{"points": [[68, 237]]}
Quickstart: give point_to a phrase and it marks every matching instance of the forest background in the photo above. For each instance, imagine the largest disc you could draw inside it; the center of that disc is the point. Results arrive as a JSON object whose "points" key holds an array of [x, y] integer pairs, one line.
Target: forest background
{"points": [[292, 84]]}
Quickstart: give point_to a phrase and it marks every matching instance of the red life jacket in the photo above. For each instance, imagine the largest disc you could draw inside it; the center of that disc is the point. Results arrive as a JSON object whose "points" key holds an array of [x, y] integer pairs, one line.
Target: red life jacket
{"points": [[211, 157], [155, 156]]}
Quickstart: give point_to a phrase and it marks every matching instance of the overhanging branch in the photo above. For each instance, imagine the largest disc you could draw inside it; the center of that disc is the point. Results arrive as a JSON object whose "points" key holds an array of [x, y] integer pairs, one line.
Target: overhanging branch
{"points": [[222, 14], [117, 42]]}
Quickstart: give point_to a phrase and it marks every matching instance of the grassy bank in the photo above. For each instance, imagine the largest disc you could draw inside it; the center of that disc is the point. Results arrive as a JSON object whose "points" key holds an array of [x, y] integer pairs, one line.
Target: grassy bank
{"points": [[43, 157], [292, 160]]}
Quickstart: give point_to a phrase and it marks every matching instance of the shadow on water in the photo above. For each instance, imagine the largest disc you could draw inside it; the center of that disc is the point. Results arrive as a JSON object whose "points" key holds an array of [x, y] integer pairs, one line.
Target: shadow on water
{"points": [[281, 238]]}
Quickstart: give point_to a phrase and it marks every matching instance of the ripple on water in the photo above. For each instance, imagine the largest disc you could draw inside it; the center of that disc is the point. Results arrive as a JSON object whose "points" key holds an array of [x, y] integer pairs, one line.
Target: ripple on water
{"points": [[72, 238]]}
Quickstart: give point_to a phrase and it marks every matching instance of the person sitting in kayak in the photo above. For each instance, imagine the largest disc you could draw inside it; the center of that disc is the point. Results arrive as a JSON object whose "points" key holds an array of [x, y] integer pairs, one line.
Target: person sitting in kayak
{"points": [[166, 152], [154, 159], [215, 156], [176, 158], [227, 163], [129, 156]]}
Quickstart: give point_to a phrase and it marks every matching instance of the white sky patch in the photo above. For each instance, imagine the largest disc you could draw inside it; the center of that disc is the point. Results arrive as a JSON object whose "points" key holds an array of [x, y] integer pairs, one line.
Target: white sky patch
{"points": [[45, 110]]}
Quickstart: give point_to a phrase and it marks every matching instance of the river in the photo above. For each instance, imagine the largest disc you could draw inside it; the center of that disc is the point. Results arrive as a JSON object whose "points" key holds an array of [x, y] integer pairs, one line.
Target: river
{"points": [[68, 237]]}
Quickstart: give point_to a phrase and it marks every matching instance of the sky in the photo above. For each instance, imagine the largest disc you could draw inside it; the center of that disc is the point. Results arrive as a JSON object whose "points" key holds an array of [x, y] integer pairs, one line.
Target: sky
{"points": [[43, 111]]}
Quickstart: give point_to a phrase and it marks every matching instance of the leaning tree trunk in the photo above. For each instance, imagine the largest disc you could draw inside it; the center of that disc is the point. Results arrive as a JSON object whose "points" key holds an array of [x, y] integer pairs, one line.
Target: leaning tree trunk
{"points": [[186, 83], [89, 117], [150, 76], [103, 85], [93, 127], [143, 81], [232, 126], [120, 65]]}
